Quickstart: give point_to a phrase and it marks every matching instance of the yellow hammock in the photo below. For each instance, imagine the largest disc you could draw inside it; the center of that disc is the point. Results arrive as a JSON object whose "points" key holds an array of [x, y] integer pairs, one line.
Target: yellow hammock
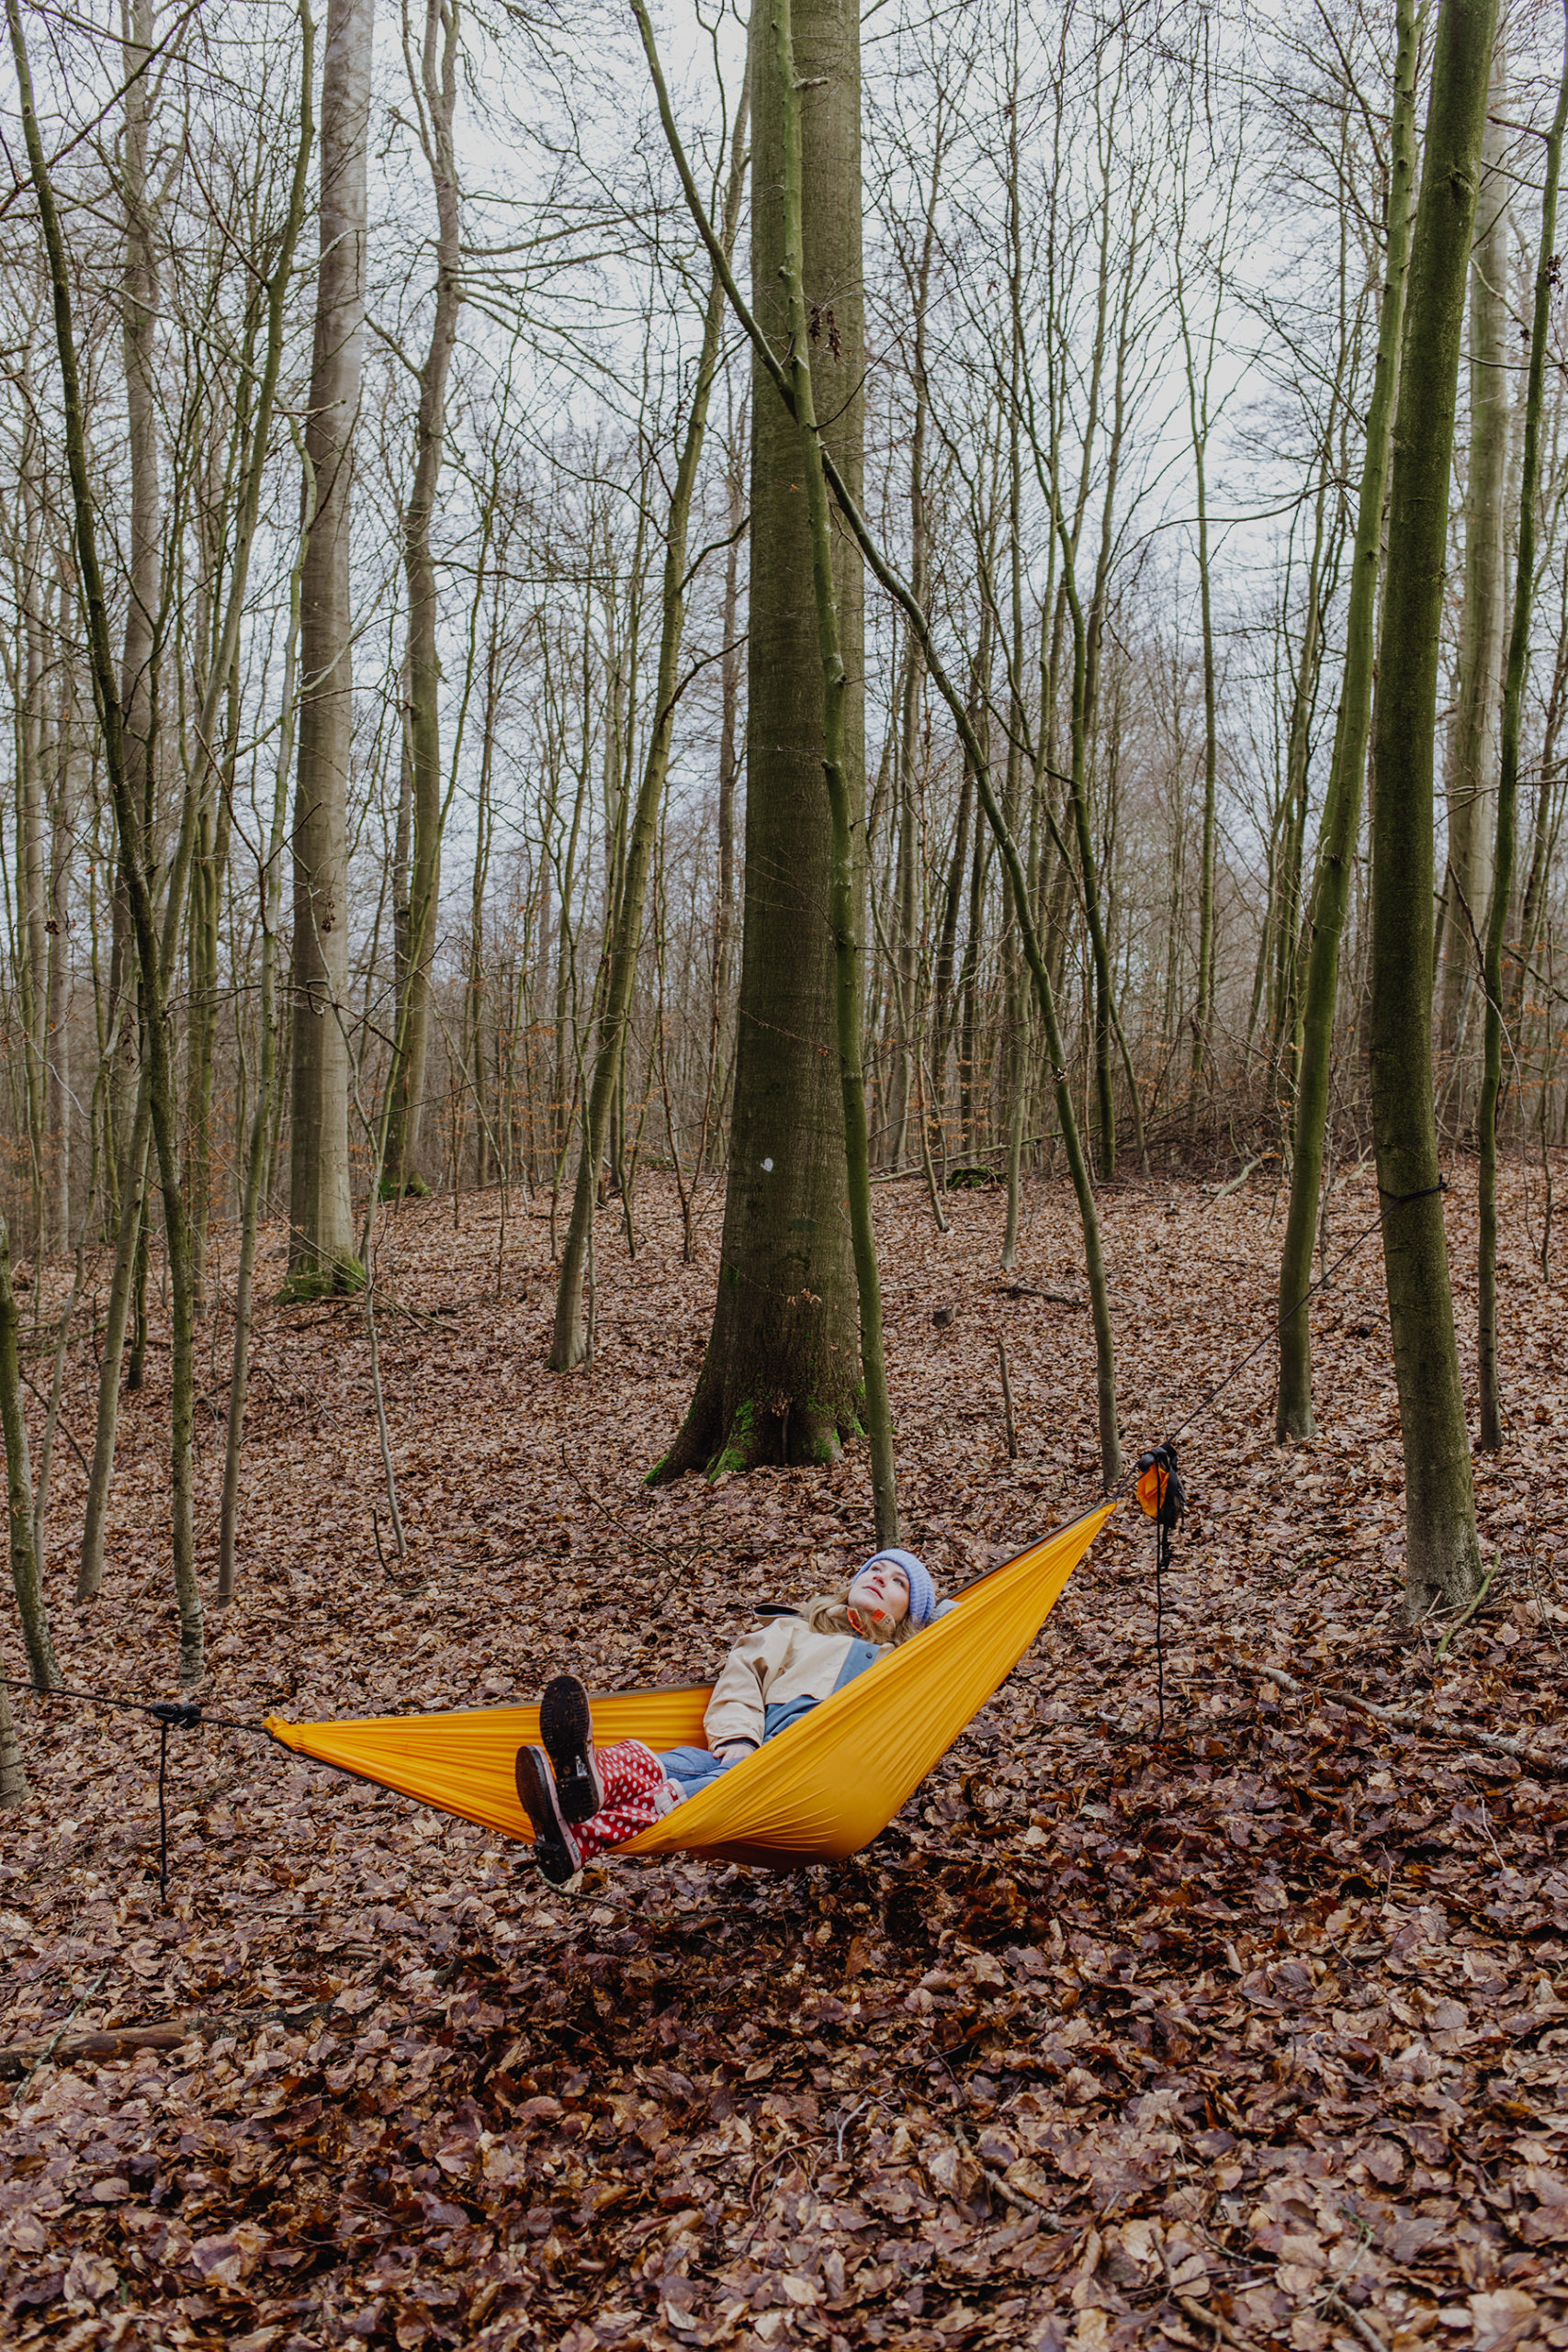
{"points": [[816, 1794]]}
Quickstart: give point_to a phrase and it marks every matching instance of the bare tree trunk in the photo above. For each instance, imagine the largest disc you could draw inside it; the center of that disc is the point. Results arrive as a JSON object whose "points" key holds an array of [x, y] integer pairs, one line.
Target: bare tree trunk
{"points": [[847, 900], [433, 82], [208, 870], [25, 1573], [1509, 784], [1203, 1009], [132, 1209], [13, 1775], [57, 1104], [778, 1383], [132, 835], [140, 647], [321, 1256], [1442, 1557], [267, 889], [1471, 782], [1342, 802]]}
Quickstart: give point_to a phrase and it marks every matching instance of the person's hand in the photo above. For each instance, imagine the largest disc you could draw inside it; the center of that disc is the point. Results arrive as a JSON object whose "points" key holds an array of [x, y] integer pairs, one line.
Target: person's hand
{"points": [[731, 1751]]}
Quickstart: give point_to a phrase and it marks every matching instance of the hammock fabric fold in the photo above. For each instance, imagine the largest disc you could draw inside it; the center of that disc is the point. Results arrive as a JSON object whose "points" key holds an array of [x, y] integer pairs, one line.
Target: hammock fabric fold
{"points": [[816, 1794]]}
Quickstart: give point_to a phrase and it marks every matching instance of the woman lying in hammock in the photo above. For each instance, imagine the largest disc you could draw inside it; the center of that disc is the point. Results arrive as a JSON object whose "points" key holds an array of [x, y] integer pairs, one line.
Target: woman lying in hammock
{"points": [[581, 1800]]}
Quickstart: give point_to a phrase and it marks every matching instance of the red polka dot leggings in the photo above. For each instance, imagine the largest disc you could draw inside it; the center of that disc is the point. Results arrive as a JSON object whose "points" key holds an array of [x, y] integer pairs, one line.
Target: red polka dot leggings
{"points": [[635, 1793]]}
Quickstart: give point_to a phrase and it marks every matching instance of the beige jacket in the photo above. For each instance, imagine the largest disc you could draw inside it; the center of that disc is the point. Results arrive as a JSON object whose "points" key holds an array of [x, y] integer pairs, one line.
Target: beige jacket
{"points": [[785, 1658]]}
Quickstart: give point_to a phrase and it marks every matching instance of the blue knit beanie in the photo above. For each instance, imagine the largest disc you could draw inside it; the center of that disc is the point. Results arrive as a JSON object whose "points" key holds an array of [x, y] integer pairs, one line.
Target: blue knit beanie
{"points": [[922, 1591]]}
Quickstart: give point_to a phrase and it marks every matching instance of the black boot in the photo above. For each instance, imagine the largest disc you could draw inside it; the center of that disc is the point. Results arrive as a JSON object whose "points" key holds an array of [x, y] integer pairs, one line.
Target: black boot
{"points": [[566, 1726], [556, 1851]]}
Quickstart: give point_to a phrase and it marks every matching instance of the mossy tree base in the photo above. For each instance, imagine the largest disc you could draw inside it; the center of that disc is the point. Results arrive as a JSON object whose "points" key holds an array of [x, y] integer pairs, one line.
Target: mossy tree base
{"points": [[783, 1434], [777, 1390], [342, 1278]]}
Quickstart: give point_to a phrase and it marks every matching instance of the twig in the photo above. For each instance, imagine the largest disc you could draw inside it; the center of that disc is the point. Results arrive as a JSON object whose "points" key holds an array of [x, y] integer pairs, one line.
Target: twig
{"points": [[1023, 2197], [1194, 2309], [1551, 1768], [1237, 1181], [684, 1562], [1008, 1421], [123, 2041], [1018, 2197], [1335, 2301], [1029, 1290], [1466, 1615], [49, 2046]]}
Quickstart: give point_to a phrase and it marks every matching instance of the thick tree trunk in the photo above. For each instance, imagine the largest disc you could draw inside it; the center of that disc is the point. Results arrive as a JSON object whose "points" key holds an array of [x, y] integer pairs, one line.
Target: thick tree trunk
{"points": [[321, 1256], [1342, 800], [1443, 1558], [848, 902], [1508, 784], [847, 501], [778, 1383], [1471, 781]]}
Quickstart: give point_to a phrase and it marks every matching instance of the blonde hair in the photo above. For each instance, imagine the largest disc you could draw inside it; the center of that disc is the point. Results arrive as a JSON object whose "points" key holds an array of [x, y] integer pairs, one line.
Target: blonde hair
{"points": [[828, 1612]]}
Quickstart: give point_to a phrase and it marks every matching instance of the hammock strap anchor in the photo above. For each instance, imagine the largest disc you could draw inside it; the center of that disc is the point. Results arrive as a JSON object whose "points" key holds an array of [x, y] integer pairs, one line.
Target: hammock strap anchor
{"points": [[169, 1715], [1163, 1499]]}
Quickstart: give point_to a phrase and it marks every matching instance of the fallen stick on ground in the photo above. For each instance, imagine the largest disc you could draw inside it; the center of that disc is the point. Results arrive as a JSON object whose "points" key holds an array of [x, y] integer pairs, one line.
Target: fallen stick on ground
{"points": [[1552, 1768], [124, 2041], [1023, 2196], [1206, 2318]]}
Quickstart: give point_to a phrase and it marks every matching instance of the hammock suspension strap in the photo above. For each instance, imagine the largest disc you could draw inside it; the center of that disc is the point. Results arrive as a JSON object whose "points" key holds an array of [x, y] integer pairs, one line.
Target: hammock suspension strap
{"points": [[1163, 1499]]}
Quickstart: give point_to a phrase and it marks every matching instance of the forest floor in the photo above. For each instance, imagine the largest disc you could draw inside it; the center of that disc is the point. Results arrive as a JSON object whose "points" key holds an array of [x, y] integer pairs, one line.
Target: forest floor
{"points": [[1253, 2033]]}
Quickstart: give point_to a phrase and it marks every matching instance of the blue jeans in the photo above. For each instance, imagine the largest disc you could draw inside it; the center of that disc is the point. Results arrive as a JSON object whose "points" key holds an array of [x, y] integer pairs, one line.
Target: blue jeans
{"points": [[693, 1767]]}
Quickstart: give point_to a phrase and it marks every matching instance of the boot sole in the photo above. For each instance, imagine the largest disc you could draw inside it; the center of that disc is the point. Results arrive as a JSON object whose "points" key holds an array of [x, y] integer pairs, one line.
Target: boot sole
{"points": [[554, 1847], [566, 1727]]}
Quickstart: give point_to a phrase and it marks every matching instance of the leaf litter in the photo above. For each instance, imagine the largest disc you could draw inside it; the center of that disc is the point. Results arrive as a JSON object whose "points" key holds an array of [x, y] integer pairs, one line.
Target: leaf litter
{"points": [[1251, 2035]]}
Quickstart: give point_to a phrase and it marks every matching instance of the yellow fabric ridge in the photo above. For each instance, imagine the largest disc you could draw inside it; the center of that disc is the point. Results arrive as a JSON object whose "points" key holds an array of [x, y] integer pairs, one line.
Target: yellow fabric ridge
{"points": [[816, 1794]]}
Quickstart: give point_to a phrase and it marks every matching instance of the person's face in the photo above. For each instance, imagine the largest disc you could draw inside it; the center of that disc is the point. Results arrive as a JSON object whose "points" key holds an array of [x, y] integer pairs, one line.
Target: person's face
{"points": [[879, 1597]]}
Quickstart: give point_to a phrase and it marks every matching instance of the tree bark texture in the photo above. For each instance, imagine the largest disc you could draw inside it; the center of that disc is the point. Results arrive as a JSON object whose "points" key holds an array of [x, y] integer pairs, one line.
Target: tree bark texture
{"points": [[848, 902], [1342, 800], [435, 80], [25, 1568], [1508, 786], [779, 1379], [13, 1774], [1471, 778], [1442, 1557], [321, 1255]]}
